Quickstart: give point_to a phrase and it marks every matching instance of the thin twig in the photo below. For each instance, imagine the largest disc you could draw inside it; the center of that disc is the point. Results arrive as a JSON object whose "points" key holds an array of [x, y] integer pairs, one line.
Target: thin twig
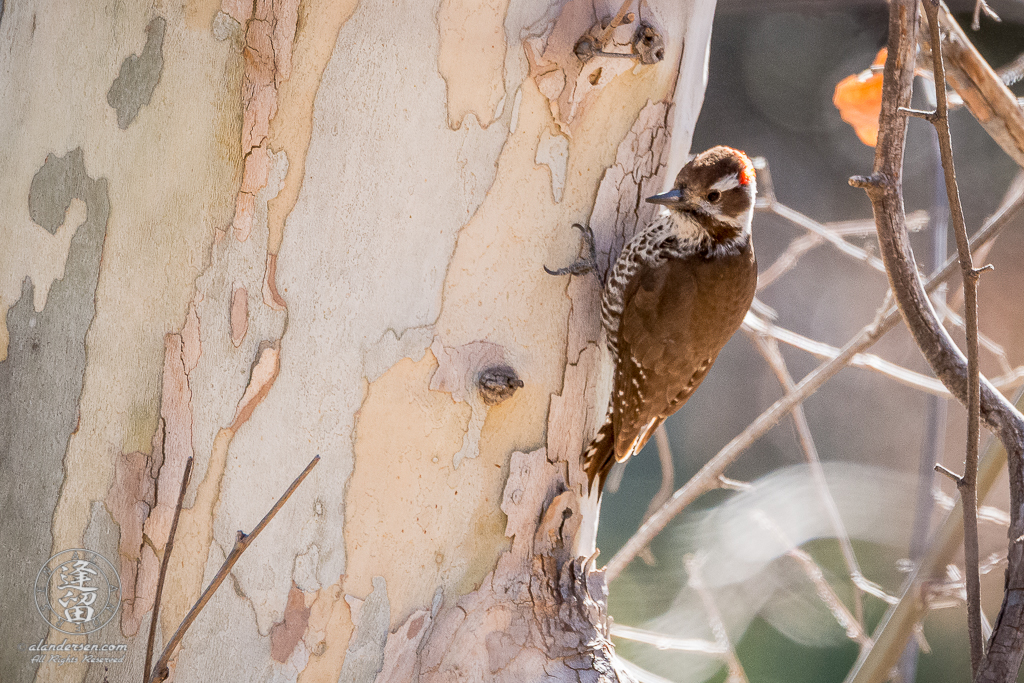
{"points": [[968, 483], [728, 484], [901, 620], [853, 628], [942, 469], [805, 243], [787, 260], [693, 568], [816, 228], [707, 478], [664, 642], [868, 361], [769, 349], [982, 90], [945, 359], [242, 541], [668, 483], [163, 567], [668, 471], [602, 38], [979, 7]]}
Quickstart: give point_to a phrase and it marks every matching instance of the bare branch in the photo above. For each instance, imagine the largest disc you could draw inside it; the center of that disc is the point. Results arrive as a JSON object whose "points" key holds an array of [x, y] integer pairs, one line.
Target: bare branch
{"points": [[787, 260], [770, 350], [664, 642], [693, 568], [942, 469], [982, 90], [813, 226], [949, 365], [242, 541], [725, 482], [853, 627], [803, 244], [887, 202], [865, 227], [979, 7], [154, 617], [867, 361]]}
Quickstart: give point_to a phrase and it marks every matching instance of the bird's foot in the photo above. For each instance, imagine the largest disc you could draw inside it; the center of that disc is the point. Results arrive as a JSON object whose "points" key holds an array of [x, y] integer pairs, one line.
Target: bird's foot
{"points": [[581, 266]]}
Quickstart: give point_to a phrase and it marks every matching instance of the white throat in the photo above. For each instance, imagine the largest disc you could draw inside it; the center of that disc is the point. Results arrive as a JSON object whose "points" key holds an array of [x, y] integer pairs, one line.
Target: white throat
{"points": [[689, 230], [684, 227]]}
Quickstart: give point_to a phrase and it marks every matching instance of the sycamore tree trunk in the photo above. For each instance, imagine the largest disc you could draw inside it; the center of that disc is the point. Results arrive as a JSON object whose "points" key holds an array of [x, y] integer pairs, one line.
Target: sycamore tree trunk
{"points": [[253, 232]]}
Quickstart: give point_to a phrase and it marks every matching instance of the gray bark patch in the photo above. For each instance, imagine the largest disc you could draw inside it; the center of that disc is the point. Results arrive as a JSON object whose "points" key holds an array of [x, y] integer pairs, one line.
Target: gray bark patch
{"points": [[40, 386], [365, 656], [55, 184], [139, 75]]}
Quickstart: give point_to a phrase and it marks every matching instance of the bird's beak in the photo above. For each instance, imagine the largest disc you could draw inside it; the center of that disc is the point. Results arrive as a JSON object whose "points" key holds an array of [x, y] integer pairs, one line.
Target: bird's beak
{"points": [[672, 198]]}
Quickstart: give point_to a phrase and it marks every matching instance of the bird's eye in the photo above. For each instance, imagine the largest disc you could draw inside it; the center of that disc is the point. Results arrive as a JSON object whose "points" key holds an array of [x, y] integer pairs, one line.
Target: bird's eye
{"points": [[714, 196]]}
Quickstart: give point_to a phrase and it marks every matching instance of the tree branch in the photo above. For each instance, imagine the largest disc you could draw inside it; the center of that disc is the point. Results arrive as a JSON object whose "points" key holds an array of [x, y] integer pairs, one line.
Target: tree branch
{"points": [[967, 484], [163, 566], [242, 541], [945, 359], [981, 88]]}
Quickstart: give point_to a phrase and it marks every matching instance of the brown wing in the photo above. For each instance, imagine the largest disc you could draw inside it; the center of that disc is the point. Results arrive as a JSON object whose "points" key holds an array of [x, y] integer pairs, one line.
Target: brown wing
{"points": [[676, 319]]}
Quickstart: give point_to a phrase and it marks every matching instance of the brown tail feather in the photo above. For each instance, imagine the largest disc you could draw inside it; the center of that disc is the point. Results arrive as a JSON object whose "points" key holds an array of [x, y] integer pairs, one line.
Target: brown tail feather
{"points": [[599, 456]]}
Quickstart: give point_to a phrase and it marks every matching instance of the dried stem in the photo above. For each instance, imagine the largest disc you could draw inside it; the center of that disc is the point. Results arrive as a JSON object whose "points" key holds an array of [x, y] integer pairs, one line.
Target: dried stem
{"points": [[854, 628], [949, 365], [694, 565], [163, 567], [242, 541], [968, 483], [769, 348], [983, 92]]}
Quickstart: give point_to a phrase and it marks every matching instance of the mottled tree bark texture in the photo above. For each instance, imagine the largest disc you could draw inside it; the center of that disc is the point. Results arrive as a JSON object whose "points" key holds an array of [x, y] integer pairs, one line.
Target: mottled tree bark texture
{"points": [[250, 233]]}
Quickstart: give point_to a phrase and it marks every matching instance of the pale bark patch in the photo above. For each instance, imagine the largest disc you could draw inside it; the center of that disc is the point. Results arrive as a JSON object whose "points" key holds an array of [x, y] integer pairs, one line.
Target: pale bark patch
{"points": [[292, 125], [239, 313], [409, 512], [327, 635], [471, 58]]}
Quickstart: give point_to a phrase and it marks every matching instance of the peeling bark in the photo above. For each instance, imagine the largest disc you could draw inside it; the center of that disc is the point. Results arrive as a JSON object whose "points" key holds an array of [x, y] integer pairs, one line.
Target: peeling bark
{"points": [[320, 237]]}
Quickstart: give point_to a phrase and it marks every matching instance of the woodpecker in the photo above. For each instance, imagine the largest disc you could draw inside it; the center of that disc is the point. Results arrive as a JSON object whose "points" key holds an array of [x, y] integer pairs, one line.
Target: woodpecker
{"points": [[676, 294]]}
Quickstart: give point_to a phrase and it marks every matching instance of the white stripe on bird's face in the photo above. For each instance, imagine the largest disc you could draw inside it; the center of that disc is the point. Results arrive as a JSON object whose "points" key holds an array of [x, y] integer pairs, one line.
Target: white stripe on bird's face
{"points": [[727, 183]]}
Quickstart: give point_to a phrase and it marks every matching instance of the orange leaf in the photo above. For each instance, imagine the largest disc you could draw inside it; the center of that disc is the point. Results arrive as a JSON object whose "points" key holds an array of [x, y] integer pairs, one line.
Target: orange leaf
{"points": [[859, 100]]}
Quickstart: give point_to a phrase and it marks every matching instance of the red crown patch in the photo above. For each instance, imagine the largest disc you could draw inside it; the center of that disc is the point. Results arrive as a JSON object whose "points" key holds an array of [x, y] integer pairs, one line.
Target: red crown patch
{"points": [[748, 173]]}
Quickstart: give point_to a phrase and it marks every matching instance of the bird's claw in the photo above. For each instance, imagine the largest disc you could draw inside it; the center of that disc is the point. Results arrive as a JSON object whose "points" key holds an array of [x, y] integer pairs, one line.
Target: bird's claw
{"points": [[581, 266]]}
